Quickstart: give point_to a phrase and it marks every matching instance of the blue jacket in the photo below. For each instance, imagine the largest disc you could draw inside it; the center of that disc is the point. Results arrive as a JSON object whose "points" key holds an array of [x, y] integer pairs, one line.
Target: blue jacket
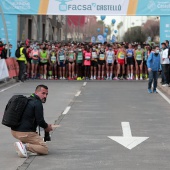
{"points": [[153, 61]]}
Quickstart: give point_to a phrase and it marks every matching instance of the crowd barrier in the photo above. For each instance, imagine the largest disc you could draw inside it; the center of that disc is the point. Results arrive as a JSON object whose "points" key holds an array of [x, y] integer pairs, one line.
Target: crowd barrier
{"points": [[8, 68]]}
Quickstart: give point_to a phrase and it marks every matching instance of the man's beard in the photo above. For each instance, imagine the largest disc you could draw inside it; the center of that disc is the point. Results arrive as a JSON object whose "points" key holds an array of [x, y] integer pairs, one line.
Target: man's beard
{"points": [[43, 100]]}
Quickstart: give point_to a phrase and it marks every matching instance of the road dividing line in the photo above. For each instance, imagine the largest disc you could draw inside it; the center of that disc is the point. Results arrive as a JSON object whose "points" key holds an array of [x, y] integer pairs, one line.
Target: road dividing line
{"points": [[85, 83], [78, 93], [9, 87], [66, 110], [166, 98]]}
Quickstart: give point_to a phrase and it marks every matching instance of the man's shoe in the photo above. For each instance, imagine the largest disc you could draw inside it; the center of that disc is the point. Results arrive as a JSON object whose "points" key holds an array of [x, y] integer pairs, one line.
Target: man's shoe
{"points": [[149, 91], [155, 91], [20, 149], [165, 85]]}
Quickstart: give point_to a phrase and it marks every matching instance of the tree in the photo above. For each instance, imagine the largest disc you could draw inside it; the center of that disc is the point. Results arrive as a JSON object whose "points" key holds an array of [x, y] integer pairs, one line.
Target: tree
{"points": [[134, 34], [151, 28]]}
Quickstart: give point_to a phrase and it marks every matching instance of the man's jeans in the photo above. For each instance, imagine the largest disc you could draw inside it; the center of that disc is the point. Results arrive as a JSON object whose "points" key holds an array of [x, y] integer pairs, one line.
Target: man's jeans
{"points": [[22, 70], [165, 73], [153, 76]]}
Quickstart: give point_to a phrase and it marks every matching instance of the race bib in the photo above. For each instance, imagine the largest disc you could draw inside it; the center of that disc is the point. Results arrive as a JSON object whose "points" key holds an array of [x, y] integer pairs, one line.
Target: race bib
{"points": [[122, 56], [101, 57], [94, 55], [139, 57], [80, 57], [71, 57], [62, 57], [53, 59], [129, 54], [87, 57]]}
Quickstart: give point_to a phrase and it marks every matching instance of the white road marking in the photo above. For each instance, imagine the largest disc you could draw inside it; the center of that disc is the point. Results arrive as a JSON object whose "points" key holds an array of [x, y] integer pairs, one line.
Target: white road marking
{"points": [[9, 87], [127, 140], [85, 83], [78, 93], [66, 110], [166, 98]]}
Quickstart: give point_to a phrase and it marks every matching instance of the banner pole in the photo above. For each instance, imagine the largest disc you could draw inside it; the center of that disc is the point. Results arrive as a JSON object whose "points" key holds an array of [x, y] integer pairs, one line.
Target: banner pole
{"points": [[5, 30]]}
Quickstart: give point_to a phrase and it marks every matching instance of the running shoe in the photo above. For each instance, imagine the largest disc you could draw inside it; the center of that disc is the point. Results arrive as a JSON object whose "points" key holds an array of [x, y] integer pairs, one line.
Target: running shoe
{"points": [[98, 78], [115, 78], [61, 78], [149, 91], [102, 78], [20, 149], [64, 78]]}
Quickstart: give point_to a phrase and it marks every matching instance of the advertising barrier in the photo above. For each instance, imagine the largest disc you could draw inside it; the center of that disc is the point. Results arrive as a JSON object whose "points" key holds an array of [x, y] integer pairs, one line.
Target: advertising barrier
{"points": [[13, 67], [3, 70]]}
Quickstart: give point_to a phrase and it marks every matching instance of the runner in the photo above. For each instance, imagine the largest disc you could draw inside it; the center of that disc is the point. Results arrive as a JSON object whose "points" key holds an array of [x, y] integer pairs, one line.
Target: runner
{"points": [[130, 61], [71, 63], [61, 63], [101, 63], [87, 63], [110, 57], [121, 54], [79, 62], [53, 64], [28, 50], [94, 64], [35, 55], [44, 62], [139, 62]]}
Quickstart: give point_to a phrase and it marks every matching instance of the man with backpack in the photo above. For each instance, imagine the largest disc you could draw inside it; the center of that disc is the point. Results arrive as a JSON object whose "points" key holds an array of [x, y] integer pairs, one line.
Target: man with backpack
{"points": [[32, 117]]}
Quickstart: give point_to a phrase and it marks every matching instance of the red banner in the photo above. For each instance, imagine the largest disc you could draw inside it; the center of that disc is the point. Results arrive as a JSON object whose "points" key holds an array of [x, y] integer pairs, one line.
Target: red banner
{"points": [[13, 68]]}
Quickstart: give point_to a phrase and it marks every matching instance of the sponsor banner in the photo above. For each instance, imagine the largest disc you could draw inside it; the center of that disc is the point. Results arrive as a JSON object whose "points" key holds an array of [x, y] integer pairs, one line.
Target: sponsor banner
{"points": [[11, 23], [164, 28], [21, 6], [12, 66], [153, 7], [86, 7], [3, 70]]}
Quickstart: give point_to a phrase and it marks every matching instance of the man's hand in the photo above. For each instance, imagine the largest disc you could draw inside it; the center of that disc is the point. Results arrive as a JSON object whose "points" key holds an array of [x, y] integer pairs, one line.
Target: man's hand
{"points": [[49, 128], [149, 69]]}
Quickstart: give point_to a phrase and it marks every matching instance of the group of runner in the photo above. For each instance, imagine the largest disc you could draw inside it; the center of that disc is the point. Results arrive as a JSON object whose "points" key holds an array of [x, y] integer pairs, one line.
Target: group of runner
{"points": [[77, 61]]}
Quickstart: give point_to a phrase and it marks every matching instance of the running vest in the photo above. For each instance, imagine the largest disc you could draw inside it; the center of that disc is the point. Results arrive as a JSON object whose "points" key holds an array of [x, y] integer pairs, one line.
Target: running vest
{"points": [[121, 55], [94, 55], [101, 55], [53, 57], [71, 55], [79, 56], [22, 56], [44, 56], [61, 56], [35, 54], [139, 55], [130, 53], [87, 56], [110, 55]]}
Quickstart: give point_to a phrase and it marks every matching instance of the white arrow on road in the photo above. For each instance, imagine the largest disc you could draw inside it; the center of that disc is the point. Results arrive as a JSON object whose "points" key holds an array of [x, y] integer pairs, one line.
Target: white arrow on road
{"points": [[127, 140]]}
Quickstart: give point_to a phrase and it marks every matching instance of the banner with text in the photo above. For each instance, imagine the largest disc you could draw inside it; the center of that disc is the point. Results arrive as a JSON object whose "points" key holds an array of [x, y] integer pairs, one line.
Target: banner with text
{"points": [[11, 23], [164, 28], [86, 7]]}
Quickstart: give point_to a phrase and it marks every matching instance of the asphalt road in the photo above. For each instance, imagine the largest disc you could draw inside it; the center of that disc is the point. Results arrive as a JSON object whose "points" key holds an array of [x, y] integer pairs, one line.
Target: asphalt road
{"points": [[82, 143]]}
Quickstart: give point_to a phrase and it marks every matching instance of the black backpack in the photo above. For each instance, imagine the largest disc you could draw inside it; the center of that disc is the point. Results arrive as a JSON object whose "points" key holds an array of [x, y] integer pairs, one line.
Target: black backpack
{"points": [[14, 110], [17, 53]]}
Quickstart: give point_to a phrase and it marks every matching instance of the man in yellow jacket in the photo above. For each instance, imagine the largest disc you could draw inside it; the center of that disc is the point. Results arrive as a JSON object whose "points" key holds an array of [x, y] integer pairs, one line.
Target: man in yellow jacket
{"points": [[22, 60]]}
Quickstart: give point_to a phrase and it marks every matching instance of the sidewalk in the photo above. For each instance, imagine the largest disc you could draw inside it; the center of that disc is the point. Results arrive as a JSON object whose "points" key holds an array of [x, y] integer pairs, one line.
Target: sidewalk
{"points": [[165, 90]]}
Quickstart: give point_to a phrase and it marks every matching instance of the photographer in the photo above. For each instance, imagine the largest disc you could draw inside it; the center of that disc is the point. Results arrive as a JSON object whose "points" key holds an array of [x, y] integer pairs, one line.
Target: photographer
{"points": [[33, 116]]}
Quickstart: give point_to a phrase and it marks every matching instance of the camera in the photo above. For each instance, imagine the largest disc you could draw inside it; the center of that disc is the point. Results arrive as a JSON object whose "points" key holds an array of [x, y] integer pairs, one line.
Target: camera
{"points": [[47, 136]]}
